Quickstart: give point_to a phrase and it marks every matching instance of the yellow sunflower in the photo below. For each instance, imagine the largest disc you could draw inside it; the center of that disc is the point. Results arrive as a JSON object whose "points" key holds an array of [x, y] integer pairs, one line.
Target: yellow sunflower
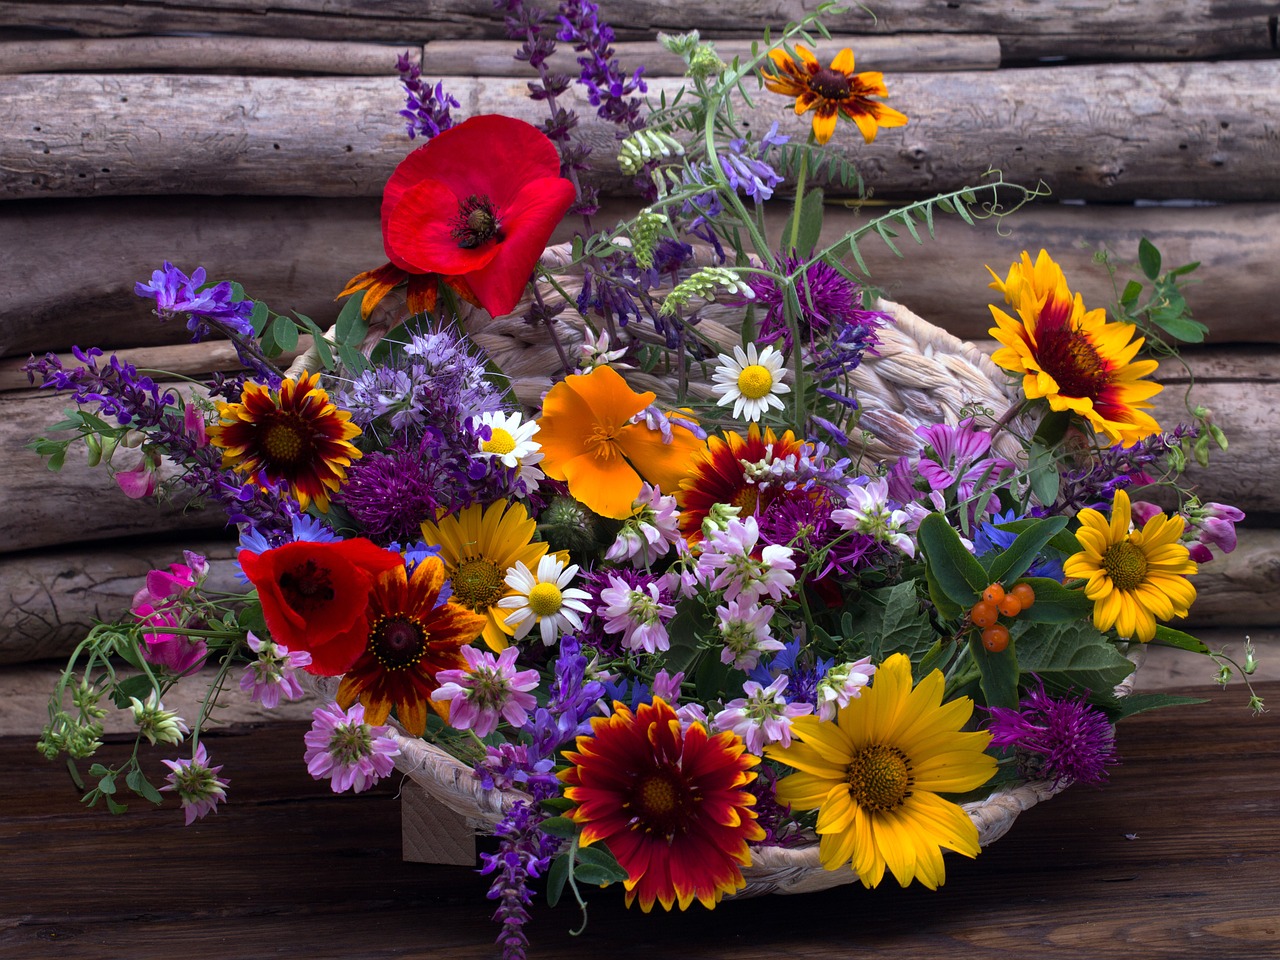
{"points": [[1071, 357], [832, 90], [292, 435], [874, 775], [478, 546], [1134, 578]]}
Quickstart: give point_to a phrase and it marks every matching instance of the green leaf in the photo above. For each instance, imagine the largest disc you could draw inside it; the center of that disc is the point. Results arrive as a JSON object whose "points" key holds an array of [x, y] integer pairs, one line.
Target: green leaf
{"points": [[352, 359], [1132, 290], [557, 877], [1055, 603], [999, 673], [935, 658], [258, 317], [1043, 473], [598, 855], [900, 626], [959, 576], [559, 827], [140, 785], [1142, 702], [810, 212], [1016, 560], [139, 686], [350, 328], [946, 609], [683, 630], [1072, 656], [285, 333], [710, 677], [1052, 427], [590, 873], [317, 335], [1181, 326], [557, 804], [1170, 637], [1149, 258]]}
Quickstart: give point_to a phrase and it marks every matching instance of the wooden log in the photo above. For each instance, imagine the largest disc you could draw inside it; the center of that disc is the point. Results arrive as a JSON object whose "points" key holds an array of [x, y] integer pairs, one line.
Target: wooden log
{"points": [[297, 254], [922, 52], [148, 134], [259, 55], [49, 600], [1027, 29]]}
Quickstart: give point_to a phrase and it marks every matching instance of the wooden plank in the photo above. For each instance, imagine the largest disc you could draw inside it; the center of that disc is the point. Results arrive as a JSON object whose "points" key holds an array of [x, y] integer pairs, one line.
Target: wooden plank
{"points": [[297, 254], [263, 55], [1113, 132], [1027, 29]]}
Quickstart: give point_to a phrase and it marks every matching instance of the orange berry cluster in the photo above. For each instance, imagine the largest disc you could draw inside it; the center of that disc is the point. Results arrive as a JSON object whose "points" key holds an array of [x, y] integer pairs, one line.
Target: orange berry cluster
{"points": [[985, 614]]}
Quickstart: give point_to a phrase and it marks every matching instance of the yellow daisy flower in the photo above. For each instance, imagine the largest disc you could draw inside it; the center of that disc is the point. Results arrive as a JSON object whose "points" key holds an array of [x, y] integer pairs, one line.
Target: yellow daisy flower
{"points": [[874, 775], [478, 546], [1071, 357], [833, 90], [1134, 578]]}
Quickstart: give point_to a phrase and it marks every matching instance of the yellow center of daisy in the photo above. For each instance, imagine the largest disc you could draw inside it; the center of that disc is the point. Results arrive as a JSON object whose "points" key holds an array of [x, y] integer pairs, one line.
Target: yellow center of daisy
{"points": [[477, 584], [397, 641], [283, 442], [545, 599], [755, 381], [879, 777], [830, 84], [1126, 565], [500, 442]]}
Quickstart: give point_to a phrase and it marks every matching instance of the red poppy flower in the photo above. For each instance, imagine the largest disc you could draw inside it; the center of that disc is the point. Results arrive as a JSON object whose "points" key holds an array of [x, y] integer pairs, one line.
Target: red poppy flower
{"points": [[476, 206], [314, 596]]}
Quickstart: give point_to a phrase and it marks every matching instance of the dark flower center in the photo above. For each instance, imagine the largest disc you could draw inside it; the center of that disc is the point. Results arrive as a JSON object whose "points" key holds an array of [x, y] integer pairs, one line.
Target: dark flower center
{"points": [[661, 803], [476, 223], [397, 640], [1126, 565], [1068, 355], [478, 584], [879, 777], [306, 587], [285, 441], [830, 84]]}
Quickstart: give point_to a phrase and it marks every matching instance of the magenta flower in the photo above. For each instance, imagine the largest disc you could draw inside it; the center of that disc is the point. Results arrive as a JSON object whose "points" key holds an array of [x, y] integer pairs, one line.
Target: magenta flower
{"points": [[728, 563], [196, 783], [641, 617], [488, 691], [273, 675], [179, 653], [140, 481], [1065, 739], [352, 754], [763, 716]]}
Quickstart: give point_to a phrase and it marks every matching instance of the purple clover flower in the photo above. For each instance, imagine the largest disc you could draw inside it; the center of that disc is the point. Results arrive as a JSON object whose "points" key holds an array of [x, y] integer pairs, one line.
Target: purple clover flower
{"points": [[196, 783], [745, 168], [426, 107], [1065, 739], [349, 752]]}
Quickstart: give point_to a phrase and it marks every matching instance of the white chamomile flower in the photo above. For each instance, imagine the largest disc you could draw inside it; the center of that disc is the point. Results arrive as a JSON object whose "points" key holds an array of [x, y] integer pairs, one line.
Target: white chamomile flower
{"points": [[545, 599], [750, 381], [511, 441]]}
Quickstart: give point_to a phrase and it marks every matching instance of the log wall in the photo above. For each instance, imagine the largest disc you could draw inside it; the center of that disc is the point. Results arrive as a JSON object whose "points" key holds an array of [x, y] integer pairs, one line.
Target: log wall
{"points": [[255, 141]]}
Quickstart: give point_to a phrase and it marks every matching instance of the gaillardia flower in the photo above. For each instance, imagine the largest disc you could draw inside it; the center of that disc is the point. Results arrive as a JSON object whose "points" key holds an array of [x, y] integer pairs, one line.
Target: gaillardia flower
{"points": [[1134, 579], [592, 444], [832, 90], [478, 545], [475, 206], [874, 776], [412, 637], [670, 803], [1071, 357], [314, 595], [292, 435]]}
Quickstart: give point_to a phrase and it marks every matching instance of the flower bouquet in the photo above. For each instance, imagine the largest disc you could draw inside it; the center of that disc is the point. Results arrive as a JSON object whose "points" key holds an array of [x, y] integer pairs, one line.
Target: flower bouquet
{"points": [[672, 555]]}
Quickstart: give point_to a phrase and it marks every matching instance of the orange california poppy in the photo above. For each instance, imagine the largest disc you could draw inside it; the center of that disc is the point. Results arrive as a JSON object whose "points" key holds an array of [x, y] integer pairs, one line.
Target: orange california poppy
{"points": [[591, 444], [832, 90]]}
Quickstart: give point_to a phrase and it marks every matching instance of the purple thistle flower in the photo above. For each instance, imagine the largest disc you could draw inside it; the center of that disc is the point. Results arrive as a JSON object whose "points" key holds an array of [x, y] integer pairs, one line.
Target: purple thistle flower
{"points": [[196, 783], [345, 749], [426, 108], [1067, 740], [801, 518]]}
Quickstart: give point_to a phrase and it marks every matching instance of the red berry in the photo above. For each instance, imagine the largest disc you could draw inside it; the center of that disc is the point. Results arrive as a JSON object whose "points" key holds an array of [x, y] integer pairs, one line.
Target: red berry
{"points": [[1010, 606], [995, 638], [1025, 594], [984, 614], [993, 593]]}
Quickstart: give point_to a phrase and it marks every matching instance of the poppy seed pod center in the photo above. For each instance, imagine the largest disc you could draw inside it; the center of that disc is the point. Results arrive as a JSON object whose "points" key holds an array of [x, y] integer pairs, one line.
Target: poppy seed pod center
{"points": [[476, 223]]}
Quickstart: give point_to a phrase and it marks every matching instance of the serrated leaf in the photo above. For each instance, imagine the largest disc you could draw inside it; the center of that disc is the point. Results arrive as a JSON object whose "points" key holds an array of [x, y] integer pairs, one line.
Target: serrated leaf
{"points": [[902, 626], [1072, 656], [1149, 258], [955, 570], [1022, 553], [999, 673], [559, 827]]}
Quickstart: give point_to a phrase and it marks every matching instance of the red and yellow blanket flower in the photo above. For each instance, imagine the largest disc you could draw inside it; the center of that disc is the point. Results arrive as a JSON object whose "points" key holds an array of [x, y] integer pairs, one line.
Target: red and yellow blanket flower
{"points": [[668, 801], [831, 92]]}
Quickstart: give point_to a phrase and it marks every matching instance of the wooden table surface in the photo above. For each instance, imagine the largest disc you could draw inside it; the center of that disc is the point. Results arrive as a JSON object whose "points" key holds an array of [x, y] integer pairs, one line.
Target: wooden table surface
{"points": [[1178, 857]]}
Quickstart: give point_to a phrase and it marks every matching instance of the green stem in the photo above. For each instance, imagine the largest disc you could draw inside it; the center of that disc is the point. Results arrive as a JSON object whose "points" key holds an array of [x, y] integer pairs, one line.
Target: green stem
{"points": [[801, 174]]}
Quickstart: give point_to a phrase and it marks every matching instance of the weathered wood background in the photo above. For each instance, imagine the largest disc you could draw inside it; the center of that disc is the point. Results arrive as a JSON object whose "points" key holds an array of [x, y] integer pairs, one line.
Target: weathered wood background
{"points": [[255, 141]]}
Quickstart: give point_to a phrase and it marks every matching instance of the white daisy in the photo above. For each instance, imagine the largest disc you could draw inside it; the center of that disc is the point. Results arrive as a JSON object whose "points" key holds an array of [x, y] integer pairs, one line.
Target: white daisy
{"points": [[545, 599], [511, 441], [750, 382]]}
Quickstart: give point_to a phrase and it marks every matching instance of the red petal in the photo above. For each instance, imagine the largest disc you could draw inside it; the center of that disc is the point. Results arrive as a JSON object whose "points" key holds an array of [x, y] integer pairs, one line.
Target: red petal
{"points": [[419, 234]]}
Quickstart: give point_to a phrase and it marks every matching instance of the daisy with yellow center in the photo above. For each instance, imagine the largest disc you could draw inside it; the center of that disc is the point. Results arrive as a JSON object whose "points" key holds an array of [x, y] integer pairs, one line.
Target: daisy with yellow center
{"points": [[1071, 357], [875, 774], [292, 435], [478, 546], [1133, 578], [511, 441], [412, 637], [751, 381], [669, 801], [835, 90], [544, 599]]}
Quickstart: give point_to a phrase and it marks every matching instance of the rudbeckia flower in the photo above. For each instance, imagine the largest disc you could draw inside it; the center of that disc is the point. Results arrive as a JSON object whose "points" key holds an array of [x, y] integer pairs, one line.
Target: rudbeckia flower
{"points": [[874, 776], [314, 596], [475, 206], [1134, 578], [1071, 357], [832, 90], [591, 444], [671, 804]]}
